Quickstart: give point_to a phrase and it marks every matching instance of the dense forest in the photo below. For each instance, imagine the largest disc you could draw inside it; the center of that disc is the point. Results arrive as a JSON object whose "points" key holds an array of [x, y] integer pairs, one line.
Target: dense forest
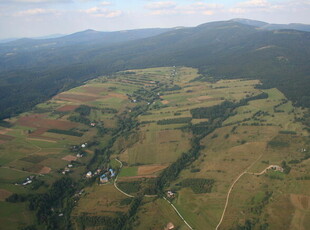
{"points": [[219, 50]]}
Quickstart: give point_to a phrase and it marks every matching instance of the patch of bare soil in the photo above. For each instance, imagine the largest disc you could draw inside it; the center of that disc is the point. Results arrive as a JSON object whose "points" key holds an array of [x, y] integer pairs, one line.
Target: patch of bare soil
{"points": [[69, 158]]}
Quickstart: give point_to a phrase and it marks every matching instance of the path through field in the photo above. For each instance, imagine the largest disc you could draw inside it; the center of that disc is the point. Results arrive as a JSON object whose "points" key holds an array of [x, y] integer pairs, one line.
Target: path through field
{"points": [[233, 184]]}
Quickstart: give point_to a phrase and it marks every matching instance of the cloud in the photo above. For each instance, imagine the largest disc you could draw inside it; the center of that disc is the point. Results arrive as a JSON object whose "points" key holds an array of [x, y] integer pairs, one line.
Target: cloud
{"points": [[255, 6], [160, 5], [102, 12], [105, 3], [36, 11], [165, 8]]}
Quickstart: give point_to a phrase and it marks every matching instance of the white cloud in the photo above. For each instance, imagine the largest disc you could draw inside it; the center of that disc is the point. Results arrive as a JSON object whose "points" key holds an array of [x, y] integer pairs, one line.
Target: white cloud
{"points": [[105, 3], [254, 4], [198, 8], [36, 11], [102, 12], [161, 5]]}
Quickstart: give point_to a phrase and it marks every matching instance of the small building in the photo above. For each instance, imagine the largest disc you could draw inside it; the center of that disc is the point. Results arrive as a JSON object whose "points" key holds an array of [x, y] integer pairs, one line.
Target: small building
{"points": [[170, 194], [79, 155], [70, 165], [65, 171], [276, 168], [104, 178], [27, 182], [169, 226], [89, 174], [93, 124], [112, 172]]}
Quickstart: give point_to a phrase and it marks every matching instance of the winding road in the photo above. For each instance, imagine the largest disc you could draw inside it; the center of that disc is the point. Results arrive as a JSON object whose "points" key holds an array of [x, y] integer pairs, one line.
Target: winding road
{"points": [[233, 184]]}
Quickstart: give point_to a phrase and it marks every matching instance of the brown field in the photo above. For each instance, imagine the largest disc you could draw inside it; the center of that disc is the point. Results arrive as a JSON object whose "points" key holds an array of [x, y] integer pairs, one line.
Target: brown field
{"points": [[94, 89], [300, 201], [301, 214], [38, 132], [69, 158], [6, 137], [77, 97], [4, 131], [45, 170], [67, 108], [117, 95], [150, 169], [36, 121], [4, 194], [35, 168], [165, 102], [42, 139]]}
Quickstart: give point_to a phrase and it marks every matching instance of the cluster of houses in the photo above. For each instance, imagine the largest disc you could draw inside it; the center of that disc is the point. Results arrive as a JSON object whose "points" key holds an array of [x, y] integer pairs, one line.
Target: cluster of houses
{"points": [[67, 169], [104, 177]]}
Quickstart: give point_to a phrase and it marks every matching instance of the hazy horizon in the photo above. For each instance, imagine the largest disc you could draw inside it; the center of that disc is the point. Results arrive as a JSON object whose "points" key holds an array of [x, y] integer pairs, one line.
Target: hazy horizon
{"points": [[35, 18]]}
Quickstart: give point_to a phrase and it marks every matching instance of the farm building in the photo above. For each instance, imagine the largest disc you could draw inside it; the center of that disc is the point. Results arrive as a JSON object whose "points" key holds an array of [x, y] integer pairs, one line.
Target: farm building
{"points": [[104, 178], [170, 194], [276, 168], [169, 226], [89, 174]]}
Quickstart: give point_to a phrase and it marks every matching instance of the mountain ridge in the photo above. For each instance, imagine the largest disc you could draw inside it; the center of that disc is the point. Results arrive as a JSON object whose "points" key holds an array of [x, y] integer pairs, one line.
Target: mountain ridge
{"points": [[225, 49]]}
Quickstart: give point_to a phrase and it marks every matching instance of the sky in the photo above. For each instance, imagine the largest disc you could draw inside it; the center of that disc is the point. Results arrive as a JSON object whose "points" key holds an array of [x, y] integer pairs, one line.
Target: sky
{"points": [[33, 18]]}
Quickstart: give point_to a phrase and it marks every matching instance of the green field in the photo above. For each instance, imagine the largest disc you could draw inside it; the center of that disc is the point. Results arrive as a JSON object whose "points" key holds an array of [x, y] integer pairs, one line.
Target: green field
{"points": [[128, 172]]}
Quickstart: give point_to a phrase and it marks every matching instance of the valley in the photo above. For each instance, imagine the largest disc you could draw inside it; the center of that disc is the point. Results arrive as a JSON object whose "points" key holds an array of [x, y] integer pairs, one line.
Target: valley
{"points": [[167, 129]]}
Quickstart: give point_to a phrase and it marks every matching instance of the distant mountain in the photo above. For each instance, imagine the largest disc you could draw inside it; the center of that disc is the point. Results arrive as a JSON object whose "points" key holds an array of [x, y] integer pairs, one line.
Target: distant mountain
{"points": [[267, 26], [41, 37], [250, 22], [227, 49], [87, 37], [50, 36], [8, 40]]}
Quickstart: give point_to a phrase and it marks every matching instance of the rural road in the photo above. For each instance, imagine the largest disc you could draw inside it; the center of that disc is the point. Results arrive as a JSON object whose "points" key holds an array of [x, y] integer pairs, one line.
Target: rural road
{"points": [[233, 184], [179, 214], [115, 185]]}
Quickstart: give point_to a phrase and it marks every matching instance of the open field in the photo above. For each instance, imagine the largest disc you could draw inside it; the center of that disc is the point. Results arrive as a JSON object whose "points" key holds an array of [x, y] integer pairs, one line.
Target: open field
{"points": [[100, 200]]}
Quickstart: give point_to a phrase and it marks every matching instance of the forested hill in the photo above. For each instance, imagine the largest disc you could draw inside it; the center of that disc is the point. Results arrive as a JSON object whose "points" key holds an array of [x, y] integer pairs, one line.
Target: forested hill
{"points": [[228, 49]]}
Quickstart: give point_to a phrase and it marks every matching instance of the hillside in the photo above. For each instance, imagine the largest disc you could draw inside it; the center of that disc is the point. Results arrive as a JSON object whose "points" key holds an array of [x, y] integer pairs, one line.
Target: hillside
{"points": [[198, 155], [219, 50]]}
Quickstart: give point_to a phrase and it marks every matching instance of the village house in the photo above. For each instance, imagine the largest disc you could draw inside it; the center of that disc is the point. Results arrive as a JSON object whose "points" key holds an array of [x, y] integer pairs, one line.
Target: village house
{"points": [[65, 171], [170, 194], [104, 178], [169, 226], [89, 174]]}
